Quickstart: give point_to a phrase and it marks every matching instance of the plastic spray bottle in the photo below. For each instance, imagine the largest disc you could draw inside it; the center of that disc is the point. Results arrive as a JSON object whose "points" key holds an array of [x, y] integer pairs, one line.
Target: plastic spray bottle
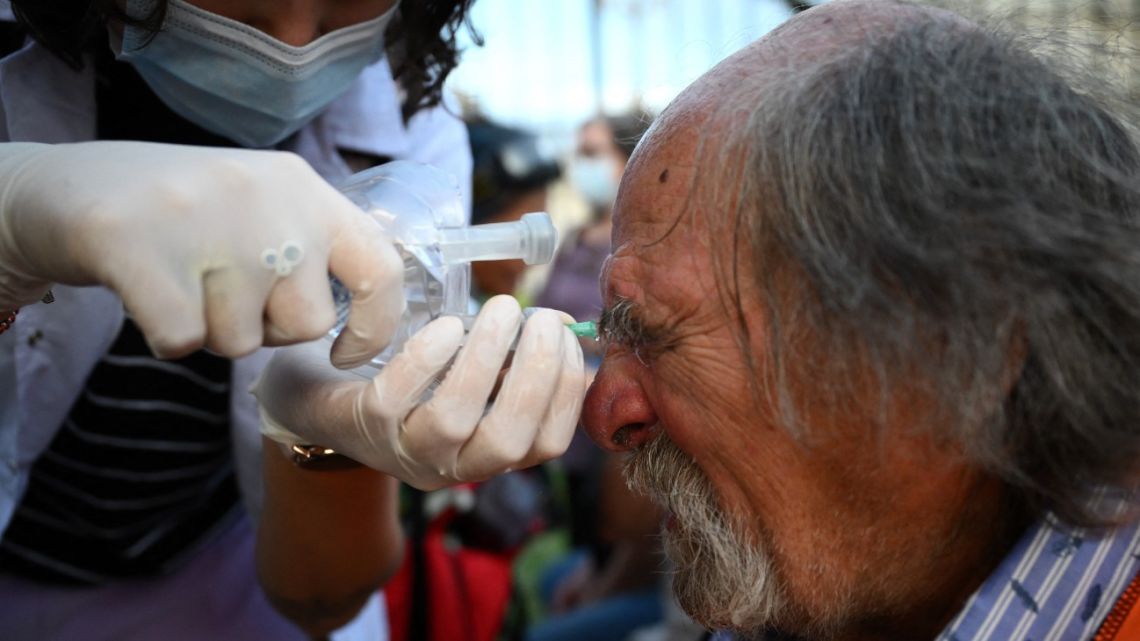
{"points": [[422, 210]]}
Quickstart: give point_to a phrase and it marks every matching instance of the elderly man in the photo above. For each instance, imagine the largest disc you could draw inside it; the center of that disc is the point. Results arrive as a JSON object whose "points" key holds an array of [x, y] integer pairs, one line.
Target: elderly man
{"points": [[873, 337]]}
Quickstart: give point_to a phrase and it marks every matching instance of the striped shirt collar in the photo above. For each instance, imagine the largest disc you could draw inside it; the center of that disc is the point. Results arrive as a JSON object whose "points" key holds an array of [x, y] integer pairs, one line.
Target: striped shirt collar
{"points": [[1056, 584]]}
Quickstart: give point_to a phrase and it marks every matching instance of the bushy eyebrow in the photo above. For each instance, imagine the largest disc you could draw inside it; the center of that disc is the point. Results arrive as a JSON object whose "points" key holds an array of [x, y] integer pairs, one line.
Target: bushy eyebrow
{"points": [[620, 324]]}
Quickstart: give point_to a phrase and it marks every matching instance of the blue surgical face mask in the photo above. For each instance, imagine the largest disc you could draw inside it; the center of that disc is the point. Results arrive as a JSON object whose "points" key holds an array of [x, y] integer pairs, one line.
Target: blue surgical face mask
{"points": [[594, 179], [238, 82]]}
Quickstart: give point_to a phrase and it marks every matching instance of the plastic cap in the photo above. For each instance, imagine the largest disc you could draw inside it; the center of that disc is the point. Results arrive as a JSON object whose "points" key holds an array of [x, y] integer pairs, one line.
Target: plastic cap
{"points": [[542, 237]]}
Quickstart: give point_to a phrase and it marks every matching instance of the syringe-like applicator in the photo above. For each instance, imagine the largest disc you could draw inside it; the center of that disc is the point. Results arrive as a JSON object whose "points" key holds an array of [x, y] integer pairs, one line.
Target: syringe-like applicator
{"points": [[584, 329], [532, 238], [421, 209]]}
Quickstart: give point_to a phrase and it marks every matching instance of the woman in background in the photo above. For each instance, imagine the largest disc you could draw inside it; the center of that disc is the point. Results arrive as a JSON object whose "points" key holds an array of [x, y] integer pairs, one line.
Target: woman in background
{"points": [[608, 586], [510, 178], [604, 146]]}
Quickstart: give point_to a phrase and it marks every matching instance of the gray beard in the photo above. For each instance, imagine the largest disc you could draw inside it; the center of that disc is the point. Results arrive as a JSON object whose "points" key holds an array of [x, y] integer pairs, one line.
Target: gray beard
{"points": [[720, 579]]}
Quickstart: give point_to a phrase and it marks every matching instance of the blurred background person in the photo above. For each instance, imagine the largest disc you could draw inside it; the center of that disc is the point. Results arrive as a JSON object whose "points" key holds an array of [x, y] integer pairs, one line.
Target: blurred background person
{"points": [[456, 580], [608, 584], [604, 145], [510, 178]]}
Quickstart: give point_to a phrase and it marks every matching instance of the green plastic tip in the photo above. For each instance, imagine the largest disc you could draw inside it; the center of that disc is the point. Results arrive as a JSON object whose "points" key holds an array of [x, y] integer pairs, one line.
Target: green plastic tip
{"points": [[585, 329]]}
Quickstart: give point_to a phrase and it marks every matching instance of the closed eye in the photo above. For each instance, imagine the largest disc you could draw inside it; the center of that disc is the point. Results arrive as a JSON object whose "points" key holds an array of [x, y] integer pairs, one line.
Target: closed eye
{"points": [[621, 325]]}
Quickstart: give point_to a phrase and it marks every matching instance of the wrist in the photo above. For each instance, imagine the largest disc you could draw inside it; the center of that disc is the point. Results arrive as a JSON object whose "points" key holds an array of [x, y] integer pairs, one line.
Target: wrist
{"points": [[301, 452], [318, 458]]}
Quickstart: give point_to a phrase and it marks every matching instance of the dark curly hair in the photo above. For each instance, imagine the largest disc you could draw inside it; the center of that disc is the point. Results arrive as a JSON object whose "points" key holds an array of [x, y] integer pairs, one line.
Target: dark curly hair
{"points": [[422, 38]]}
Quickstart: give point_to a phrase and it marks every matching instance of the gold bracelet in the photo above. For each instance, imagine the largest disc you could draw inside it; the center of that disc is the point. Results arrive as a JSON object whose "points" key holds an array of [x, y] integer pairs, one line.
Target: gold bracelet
{"points": [[319, 457]]}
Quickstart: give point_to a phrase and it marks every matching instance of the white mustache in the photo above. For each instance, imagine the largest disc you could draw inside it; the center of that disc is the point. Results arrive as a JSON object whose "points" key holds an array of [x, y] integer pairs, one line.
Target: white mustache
{"points": [[720, 580]]}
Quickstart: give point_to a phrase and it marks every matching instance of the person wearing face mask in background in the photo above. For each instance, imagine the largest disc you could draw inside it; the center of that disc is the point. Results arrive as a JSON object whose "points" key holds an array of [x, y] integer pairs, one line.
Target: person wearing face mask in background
{"points": [[603, 148], [136, 493], [456, 580], [608, 585], [510, 178]]}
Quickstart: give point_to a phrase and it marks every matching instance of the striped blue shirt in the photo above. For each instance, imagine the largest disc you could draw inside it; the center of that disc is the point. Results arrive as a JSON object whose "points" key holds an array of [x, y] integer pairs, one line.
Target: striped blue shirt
{"points": [[1056, 584]]}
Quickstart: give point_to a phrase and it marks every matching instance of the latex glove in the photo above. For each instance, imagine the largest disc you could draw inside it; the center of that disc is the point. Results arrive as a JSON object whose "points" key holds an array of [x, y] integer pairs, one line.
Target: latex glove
{"points": [[180, 232], [461, 433]]}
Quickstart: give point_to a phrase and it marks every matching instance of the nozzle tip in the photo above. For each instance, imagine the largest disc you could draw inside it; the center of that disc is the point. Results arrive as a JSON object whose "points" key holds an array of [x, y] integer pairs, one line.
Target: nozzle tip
{"points": [[585, 329]]}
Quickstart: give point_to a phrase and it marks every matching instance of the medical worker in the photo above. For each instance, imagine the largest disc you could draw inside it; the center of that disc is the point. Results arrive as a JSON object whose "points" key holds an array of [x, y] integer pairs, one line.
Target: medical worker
{"points": [[166, 186]]}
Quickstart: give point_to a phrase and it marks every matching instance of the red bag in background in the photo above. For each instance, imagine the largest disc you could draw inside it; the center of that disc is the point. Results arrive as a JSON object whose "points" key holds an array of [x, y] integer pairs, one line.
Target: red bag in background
{"points": [[465, 591]]}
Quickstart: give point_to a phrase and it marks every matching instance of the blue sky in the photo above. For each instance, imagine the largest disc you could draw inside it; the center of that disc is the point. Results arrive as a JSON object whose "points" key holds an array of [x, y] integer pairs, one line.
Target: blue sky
{"points": [[536, 67]]}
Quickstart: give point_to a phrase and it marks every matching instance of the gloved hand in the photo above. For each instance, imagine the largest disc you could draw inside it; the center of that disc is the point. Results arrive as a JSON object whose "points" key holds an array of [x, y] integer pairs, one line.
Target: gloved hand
{"points": [[227, 248], [461, 433]]}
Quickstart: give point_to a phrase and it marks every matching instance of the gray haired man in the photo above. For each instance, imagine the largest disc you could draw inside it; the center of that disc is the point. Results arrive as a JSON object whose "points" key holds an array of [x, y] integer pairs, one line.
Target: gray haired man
{"points": [[873, 324]]}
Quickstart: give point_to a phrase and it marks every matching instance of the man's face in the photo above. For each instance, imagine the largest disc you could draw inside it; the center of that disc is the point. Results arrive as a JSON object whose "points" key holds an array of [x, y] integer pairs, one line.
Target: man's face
{"points": [[848, 523]]}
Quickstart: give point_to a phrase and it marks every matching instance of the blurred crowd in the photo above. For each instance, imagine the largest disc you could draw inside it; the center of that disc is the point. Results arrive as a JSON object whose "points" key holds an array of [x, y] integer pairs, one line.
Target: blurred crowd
{"points": [[564, 551], [183, 455]]}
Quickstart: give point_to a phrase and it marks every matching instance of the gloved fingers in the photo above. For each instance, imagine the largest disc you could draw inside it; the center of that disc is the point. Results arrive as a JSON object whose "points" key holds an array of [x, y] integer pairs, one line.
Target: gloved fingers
{"points": [[562, 416], [400, 386], [364, 259], [234, 300], [507, 433], [168, 310], [300, 306], [459, 402]]}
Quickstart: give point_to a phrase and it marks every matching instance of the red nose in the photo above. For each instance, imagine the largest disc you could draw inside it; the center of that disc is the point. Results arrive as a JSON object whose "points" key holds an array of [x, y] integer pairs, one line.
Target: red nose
{"points": [[617, 413]]}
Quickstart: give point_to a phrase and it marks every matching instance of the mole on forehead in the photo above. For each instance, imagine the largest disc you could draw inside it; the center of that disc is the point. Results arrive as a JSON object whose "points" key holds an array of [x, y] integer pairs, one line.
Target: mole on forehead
{"points": [[657, 198]]}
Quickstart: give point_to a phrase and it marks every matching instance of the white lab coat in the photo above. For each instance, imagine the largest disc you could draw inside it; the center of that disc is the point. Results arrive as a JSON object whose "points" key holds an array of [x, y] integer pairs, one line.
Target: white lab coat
{"points": [[47, 355]]}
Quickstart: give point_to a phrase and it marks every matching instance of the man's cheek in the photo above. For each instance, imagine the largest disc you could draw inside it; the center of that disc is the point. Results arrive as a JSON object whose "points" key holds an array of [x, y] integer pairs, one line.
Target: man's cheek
{"points": [[688, 416]]}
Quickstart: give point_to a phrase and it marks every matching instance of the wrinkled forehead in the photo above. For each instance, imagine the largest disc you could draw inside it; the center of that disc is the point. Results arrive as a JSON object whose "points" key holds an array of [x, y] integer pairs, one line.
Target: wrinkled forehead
{"points": [[669, 235], [653, 226], [681, 176], [659, 178], [688, 161]]}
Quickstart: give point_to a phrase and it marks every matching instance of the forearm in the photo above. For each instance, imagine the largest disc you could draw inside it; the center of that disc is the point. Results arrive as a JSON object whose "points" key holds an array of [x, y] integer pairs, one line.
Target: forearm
{"points": [[326, 540]]}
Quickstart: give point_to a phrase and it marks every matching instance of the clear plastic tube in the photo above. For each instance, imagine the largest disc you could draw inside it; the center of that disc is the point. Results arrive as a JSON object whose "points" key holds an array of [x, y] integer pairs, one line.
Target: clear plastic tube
{"points": [[421, 208], [532, 239]]}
